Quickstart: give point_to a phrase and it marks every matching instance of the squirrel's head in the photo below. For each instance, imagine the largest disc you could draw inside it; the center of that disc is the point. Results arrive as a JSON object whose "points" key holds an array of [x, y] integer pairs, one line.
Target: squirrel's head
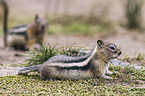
{"points": [[39, 26], [41, 23], [108, 50]]}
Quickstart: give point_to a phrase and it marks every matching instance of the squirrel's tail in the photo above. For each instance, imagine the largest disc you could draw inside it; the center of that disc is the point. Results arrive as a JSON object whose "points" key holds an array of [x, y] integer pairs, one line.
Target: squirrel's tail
{"points": [[5, 7], [28, 69]]}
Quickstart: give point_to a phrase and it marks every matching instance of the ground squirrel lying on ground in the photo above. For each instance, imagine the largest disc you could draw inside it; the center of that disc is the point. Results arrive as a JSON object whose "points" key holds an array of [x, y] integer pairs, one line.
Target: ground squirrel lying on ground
{"points": [[23, 36], [94, 64]]}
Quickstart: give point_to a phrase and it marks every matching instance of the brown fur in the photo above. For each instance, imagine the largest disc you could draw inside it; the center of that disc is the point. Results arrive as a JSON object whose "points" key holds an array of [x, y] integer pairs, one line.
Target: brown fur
{"points": [[36, 32]]}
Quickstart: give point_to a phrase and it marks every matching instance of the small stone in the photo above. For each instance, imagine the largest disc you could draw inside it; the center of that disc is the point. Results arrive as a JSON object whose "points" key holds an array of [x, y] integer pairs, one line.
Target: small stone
{"points": [[33, 80], [4, 87]]}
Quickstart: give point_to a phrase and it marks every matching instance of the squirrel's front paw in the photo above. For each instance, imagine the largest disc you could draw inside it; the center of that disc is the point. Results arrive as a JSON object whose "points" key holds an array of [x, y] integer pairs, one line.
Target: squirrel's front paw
{"points": [[110, 73], [107, 77]]}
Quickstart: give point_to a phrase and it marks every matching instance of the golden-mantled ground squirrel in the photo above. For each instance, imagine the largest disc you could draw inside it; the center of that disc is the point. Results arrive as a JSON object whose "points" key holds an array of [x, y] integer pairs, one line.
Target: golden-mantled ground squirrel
{"points": [[94, 64], [23, 36]]}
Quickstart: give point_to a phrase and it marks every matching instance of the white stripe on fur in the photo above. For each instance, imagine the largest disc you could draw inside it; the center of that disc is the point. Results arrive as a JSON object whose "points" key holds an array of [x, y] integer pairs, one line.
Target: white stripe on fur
{"points": [[80, 64]]}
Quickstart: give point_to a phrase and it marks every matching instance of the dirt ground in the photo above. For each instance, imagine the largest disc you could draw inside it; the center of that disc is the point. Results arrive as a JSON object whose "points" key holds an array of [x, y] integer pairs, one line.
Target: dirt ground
{"points": [[130, 42]]}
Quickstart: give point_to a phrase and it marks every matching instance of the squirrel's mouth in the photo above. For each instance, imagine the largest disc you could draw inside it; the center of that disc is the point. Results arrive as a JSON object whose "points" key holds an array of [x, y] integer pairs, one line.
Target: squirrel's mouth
{"points": [[117, 55]]}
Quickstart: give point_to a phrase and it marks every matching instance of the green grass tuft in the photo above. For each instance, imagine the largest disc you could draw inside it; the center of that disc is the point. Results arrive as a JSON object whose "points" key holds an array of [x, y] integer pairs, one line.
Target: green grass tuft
{"points": [[140, 57], [39, 56], [71, 50]]}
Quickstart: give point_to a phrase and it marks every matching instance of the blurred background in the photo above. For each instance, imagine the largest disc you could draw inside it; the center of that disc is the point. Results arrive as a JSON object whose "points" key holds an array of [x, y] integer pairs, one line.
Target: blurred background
{"points": [[85, 21]]}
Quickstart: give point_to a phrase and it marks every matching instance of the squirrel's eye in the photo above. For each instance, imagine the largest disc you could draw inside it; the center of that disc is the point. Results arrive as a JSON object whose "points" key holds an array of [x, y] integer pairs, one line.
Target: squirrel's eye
{"points": [[112, 47]]}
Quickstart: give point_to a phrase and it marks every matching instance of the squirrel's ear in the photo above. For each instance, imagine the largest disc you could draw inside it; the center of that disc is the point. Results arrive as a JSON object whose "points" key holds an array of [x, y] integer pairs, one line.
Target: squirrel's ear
{"points": [[36, 19], [100, 43]]}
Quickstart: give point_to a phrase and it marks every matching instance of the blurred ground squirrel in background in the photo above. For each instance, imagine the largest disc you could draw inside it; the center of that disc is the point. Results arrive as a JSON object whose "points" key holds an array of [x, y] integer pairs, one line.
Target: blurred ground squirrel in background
{"points": [[94, 64], [23, 36]]}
